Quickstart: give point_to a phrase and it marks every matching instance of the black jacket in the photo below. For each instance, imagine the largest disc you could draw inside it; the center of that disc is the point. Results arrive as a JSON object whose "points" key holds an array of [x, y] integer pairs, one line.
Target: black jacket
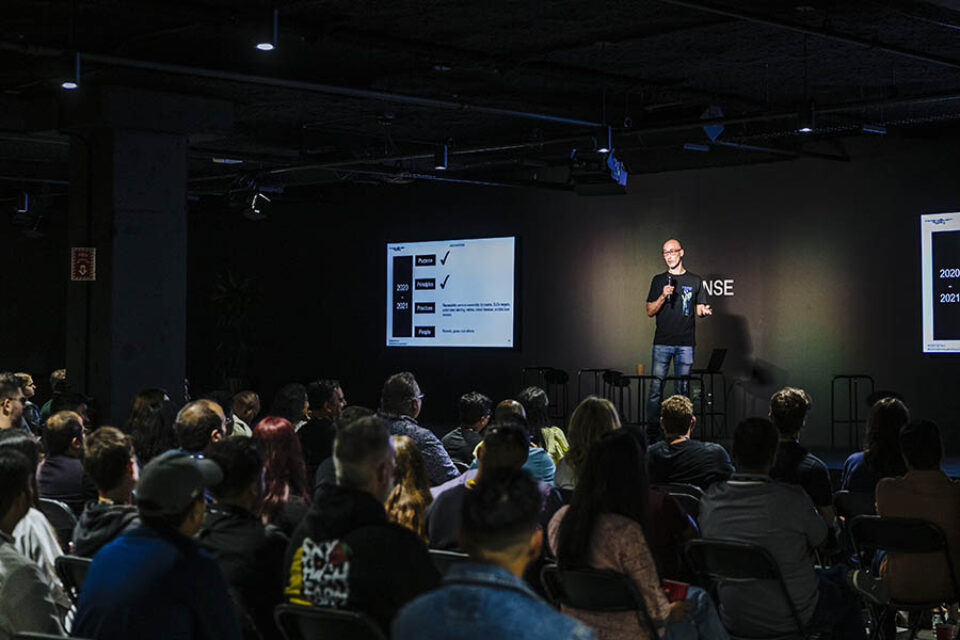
{"points": [[251, 558], [100, 523], [345, 553], [316, 440]]}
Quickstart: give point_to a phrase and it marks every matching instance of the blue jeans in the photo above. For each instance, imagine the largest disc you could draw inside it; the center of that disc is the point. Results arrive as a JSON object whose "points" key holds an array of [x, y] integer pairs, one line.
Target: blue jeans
{"points": [[682, 362], [702, 621]]}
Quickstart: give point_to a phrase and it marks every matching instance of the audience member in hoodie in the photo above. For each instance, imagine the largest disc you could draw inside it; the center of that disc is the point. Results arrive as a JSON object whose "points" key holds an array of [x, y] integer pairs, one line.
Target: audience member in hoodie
{"points": [[61, 475], [249, 553], [109, 459]]}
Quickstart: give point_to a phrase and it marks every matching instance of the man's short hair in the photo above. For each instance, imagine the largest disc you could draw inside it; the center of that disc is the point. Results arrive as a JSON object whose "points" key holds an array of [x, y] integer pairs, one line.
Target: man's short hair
{"points": [[319, 392], [535, 403], [921, 445], [501, 512], [358, 448], [194, 424], [23, 379], [68, 401], [15, 473], [788, 409], [352, 413], [58, 381], [9, 386], [677, 414], [245, 400], [23, 441], [474, 407], [505, 445], [398, 392], [241, 464], [510, 409], [288, 402], [106, 457], [61, 428], [755, 442]]}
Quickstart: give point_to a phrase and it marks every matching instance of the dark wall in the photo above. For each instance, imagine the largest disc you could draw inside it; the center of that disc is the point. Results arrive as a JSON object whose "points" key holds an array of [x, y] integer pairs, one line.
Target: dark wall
{"points": [[823, 257]]}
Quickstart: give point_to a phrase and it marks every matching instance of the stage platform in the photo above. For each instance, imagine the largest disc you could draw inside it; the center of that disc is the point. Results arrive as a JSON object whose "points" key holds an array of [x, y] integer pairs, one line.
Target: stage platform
{"points": [[834, 461]]}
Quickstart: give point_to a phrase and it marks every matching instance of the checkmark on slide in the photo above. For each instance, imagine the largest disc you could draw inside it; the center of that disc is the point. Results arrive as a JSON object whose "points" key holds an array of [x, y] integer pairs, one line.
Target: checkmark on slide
{"points": [[443, 260], [444, 283]]}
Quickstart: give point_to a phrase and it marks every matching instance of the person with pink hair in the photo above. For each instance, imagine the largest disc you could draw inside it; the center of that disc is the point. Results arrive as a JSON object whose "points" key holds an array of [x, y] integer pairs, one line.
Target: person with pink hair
{"points": [[285, 496]]}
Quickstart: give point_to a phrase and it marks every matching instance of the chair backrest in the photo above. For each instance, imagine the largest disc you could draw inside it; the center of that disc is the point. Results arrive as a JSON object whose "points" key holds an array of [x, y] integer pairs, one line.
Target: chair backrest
{"points": [[443, 560], [680, 487], [61, 518], [596, 590], [690, 504], [736, 561], [72, 571], [298, 622], [850, 504]]}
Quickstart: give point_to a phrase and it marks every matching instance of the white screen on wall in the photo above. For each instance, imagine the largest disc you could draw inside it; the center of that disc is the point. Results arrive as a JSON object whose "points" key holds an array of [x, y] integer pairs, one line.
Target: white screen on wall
{"points": [[940, 281], [451, 293]]}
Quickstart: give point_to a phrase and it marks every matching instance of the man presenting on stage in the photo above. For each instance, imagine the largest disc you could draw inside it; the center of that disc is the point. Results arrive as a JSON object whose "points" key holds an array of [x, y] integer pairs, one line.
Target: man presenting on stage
{"points": [[676, 297]]}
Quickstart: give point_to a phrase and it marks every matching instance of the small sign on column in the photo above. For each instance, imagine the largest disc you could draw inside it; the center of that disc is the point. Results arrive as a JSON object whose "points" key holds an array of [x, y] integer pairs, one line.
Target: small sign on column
{"points": [[83, 264]]}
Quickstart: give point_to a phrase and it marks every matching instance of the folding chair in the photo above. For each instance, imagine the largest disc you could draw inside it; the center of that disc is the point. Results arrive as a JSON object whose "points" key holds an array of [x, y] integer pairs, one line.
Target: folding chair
{"points": [[443, 560], [687, 495], [61, 518], [298, 622], [849, 505], [72, 570]]}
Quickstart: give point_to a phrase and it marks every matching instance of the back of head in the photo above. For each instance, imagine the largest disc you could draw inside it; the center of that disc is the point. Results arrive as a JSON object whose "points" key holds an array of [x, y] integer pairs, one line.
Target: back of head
{"points": [[195, 422], [510, 409], [241, 464], [9, 386], [358, 449], [613, 480], [22, 441], [68, 401], [676, 412], [106, 457], [755, 442], [58, 381], [15, 474], [505, 446], [320, 392], [592, 418], [788, 410], [408, 500], [171, 484], [60, 431], [152, 429], [884, 422], [535, 403], [285, 469], [398, 392], [146, 403], [352, 413], [500, 514], [474, 407], [246, 404], [921, 445], [222, 398], [289, 402]]}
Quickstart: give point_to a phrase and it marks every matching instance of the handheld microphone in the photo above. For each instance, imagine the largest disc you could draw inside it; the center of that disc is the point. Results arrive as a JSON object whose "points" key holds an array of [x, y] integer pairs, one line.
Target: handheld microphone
{"points": [[672, 282]]}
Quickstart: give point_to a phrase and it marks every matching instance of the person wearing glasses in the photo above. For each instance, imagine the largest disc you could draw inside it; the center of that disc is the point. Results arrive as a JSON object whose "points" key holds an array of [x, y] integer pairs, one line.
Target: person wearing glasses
{"points": [[11, 401], [676, 298]]}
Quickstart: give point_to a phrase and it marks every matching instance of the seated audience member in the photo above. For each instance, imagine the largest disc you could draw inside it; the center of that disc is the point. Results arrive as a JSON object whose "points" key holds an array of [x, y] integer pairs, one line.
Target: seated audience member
{"points": [[31, 412], [475, 410], [316, 436], [410, 497], [72, 401], [61, 475], [796, 465], [150, 424], [249, 554], [26, 601], [881, 458], [924, 492], [154, 582], [607, 526], [505, 446], [291, 403], [225, 400], [58, 385], [679, 458], [285, 499], [400, 404], [590, 420], [198, 424], [346, 553], [34, 535], [539, 464], [487, 597], [246, 408], [549, 438], [510, 409], [780, 517], [326, 472], [11, 402], [109, 460]]}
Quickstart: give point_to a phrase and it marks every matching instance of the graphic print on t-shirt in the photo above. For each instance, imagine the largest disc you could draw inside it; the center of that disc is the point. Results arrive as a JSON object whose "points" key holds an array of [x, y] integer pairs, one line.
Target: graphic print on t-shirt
{"points": [[685, 297], [325, 567]]}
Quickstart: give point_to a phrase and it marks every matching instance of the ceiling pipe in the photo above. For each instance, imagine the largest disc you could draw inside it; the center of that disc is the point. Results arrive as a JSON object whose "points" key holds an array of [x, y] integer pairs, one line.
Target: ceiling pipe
{"points": [[298, 85], [828, 34]]}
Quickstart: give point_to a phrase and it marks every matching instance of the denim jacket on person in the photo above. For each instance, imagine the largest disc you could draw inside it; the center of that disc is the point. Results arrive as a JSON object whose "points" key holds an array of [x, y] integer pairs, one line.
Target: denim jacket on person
{"points": [[484, 602]]}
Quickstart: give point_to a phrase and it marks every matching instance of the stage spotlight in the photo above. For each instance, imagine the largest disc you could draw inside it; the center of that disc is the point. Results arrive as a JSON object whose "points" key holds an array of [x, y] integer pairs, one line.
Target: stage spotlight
{"points": [[270, 44], [72, 84], [605, 138], [440, 162], [807, 118]]}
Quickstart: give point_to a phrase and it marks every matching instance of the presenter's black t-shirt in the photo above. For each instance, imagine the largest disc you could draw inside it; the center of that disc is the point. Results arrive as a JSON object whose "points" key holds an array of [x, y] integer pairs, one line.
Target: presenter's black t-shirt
{"points": [[675, 320]]}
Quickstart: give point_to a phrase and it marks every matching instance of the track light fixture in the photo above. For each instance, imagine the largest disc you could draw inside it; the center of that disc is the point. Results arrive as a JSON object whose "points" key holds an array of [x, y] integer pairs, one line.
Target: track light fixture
{"points": [[72, 84], [807, 118], [270, 45], [878, 129], [440, 160]]}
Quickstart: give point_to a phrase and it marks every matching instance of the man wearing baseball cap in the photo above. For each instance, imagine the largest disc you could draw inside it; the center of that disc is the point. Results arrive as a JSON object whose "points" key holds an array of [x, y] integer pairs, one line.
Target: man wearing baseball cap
{"points": [[154, 582]]}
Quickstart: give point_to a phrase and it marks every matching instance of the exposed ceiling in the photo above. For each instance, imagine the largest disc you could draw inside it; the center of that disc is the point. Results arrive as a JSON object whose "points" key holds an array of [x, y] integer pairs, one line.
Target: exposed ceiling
{"points": [[367, 90]]}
